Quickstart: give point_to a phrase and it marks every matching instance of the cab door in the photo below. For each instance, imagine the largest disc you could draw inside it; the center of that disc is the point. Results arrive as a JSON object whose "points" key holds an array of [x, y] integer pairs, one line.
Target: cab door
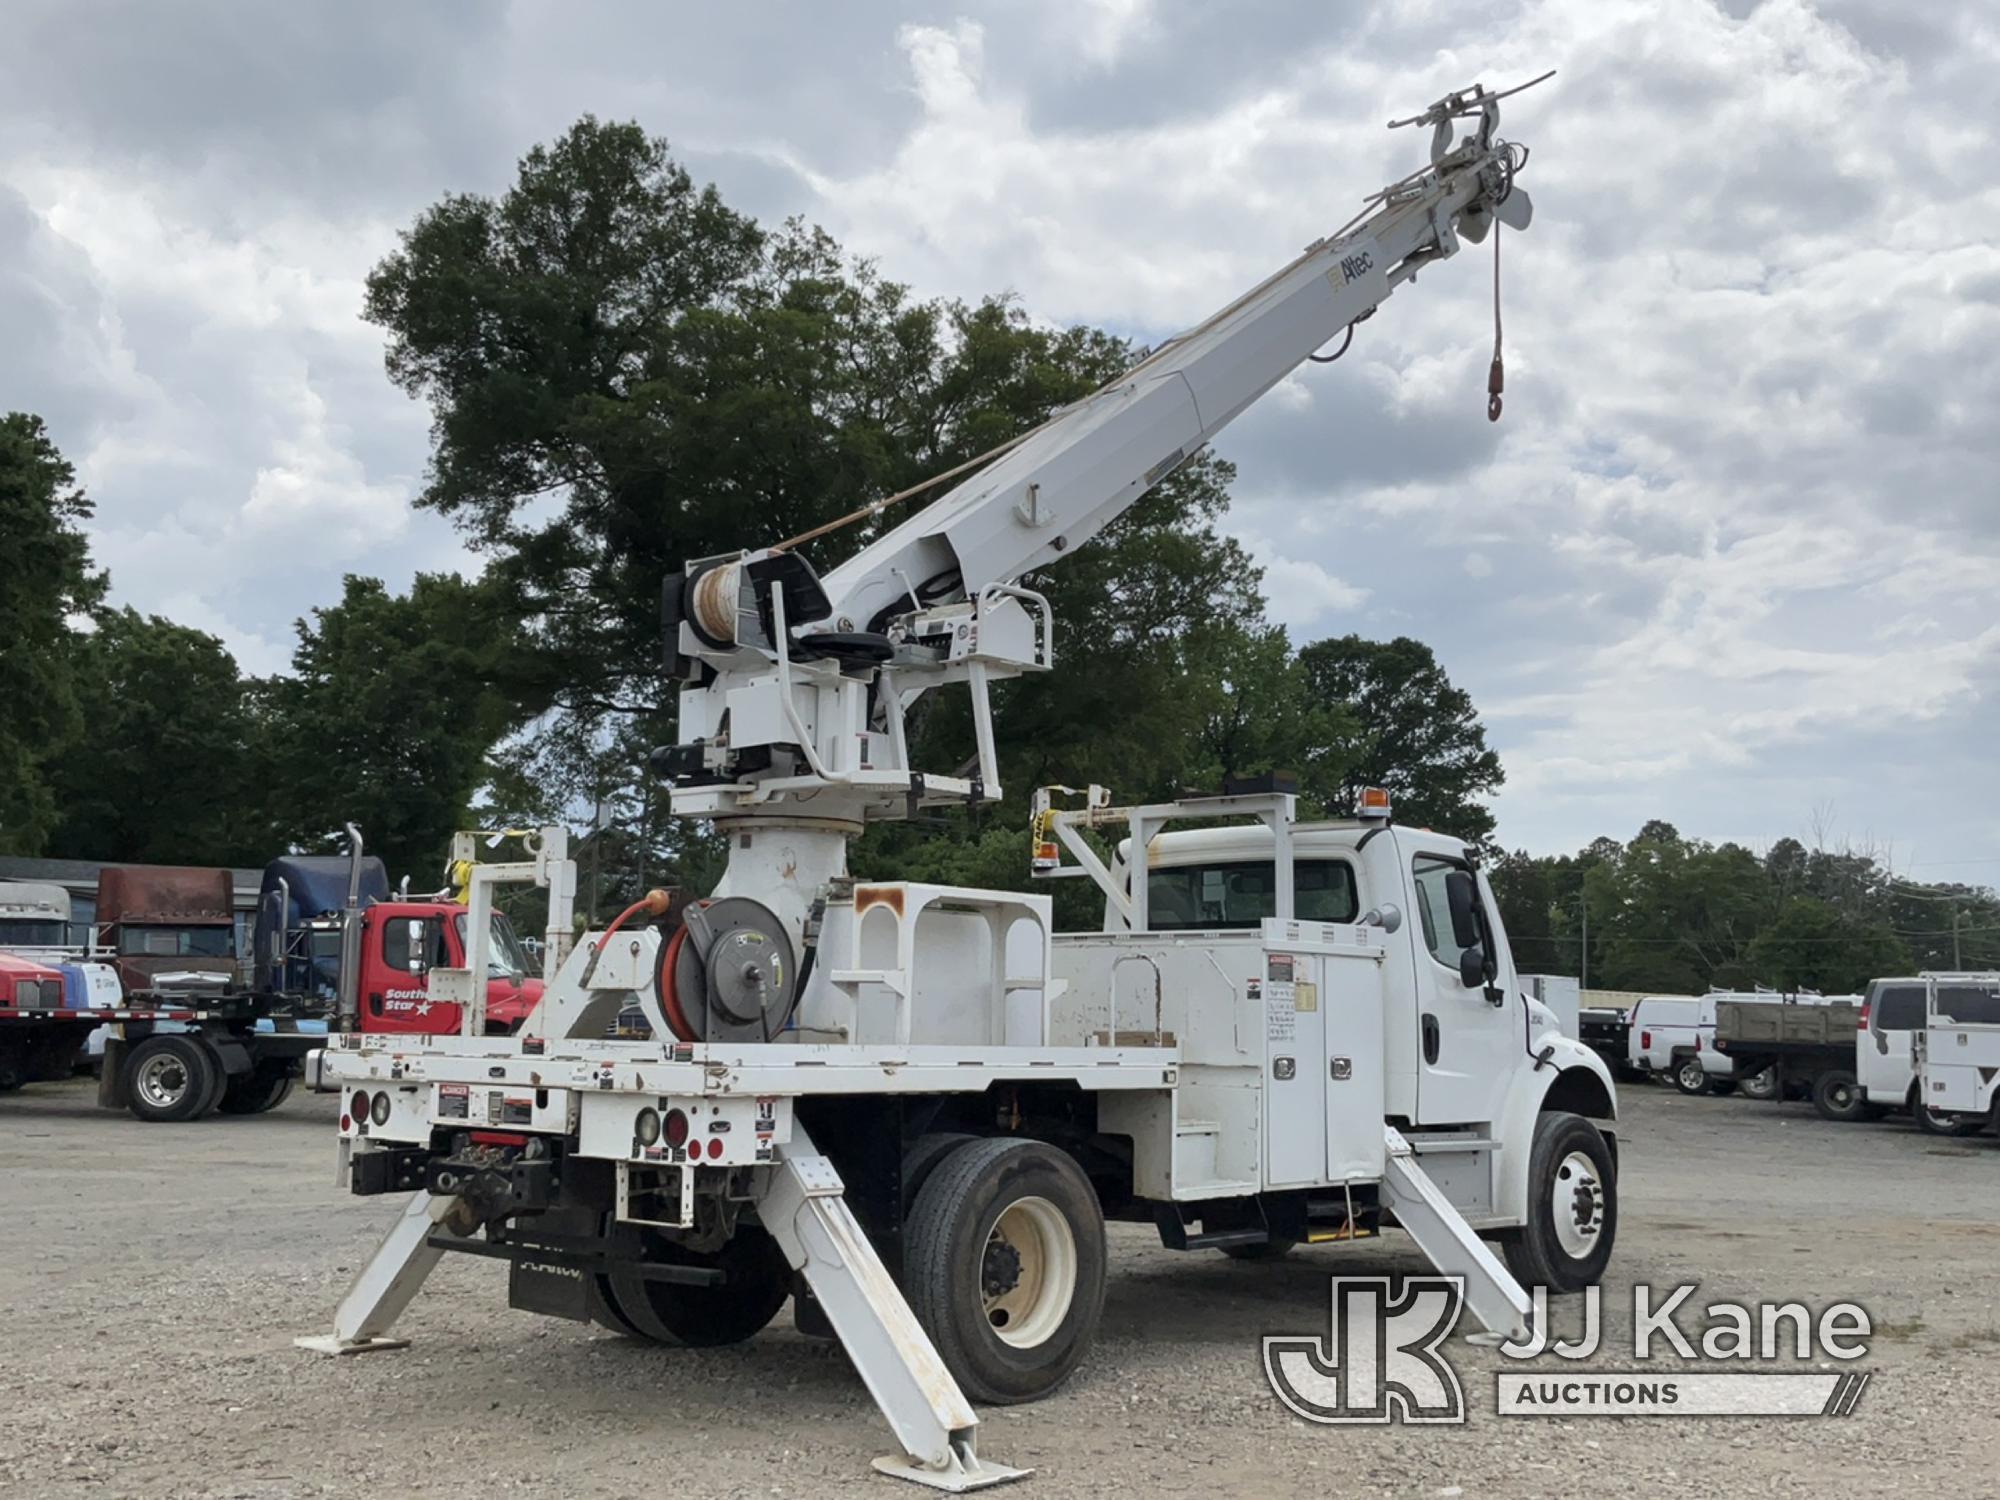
{"points": [[1470, 1037]]}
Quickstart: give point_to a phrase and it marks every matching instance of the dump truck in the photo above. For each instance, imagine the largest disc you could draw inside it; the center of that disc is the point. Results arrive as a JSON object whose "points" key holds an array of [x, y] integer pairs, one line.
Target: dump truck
{"points": [[910, 1108], [1788, 1046]]}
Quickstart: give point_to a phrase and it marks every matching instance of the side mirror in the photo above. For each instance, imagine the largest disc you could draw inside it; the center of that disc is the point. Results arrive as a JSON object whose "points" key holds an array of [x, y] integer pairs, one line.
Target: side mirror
{"points": [[419, 951], [1461, 893], [1472, 966]]}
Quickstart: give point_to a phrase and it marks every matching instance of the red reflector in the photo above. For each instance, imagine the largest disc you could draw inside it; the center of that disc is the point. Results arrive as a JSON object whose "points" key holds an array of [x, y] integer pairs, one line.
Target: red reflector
{"points": [[675, 1128], [1861, 1021], [346, 1123], [714, 1146], [498, 1138]]}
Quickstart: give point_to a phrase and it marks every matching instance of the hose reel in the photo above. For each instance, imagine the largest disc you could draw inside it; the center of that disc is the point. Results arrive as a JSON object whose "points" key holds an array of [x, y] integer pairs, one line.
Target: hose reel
{"points": [[728, 974]]}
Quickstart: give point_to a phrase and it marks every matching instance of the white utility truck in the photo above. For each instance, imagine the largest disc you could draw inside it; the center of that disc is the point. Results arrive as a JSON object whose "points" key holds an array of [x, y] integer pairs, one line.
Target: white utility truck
{"points": [[1958, 1053], [911, 1108]]}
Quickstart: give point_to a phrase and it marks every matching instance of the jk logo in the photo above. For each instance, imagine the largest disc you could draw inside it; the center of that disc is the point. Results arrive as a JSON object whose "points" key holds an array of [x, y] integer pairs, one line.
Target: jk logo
{"points": [[1379, 1359]]}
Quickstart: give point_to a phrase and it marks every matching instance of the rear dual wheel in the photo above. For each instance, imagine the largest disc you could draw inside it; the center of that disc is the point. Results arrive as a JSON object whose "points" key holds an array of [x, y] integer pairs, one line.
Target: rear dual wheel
{"points": [[1837, 1095], [756, 1281], [263, 1088], [1004, 1265]]}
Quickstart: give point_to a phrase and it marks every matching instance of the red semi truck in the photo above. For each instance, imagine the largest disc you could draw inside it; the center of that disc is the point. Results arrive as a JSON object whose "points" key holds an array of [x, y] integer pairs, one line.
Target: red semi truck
{"points": [[203, 1027]]}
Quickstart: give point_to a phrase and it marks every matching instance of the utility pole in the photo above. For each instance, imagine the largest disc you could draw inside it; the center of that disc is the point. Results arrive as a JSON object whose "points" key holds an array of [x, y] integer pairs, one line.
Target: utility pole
{"points": [[1583, 968], [1956, 962], [596, 852]]}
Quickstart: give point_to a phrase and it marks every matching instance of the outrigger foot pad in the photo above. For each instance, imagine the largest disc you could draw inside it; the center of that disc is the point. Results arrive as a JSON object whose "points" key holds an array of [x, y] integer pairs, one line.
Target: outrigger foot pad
{"points": [[333, 1343], [967, 1471]]}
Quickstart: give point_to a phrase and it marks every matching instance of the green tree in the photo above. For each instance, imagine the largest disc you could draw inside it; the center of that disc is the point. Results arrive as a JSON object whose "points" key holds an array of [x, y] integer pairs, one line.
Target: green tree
{"points": [[1811, 945], [45, 586], [172, 769], [1418, 735], [391, 715]]}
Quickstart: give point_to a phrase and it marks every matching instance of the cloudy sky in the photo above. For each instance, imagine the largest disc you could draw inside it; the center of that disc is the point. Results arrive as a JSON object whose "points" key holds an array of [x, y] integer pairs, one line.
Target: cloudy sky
{"points": [[1730, 558]]}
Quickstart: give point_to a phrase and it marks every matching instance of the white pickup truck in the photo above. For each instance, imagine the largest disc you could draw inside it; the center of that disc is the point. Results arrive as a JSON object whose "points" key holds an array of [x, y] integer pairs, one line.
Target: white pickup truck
{"points": [[1674, 1036]]}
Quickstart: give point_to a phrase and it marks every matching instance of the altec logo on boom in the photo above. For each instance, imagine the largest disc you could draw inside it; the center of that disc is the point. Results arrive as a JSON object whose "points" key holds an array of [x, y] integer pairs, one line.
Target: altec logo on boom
{"points": [[1381, 1359]]}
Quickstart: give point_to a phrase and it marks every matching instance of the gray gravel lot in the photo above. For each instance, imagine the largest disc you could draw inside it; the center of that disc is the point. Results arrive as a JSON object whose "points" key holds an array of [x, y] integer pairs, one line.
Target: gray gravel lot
{"points": [[155, 1275]]}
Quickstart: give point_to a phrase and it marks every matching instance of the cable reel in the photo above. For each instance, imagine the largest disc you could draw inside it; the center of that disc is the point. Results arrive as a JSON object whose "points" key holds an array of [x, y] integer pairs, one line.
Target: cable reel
{"points": [[728, 974]]}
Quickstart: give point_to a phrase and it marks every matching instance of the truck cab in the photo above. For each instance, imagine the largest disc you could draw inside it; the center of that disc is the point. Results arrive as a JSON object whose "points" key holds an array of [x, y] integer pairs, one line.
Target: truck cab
{"points": [[168, 926], [402, 941], [1885, 1057], [34, 916], [1459, 1015], [300, 916]]}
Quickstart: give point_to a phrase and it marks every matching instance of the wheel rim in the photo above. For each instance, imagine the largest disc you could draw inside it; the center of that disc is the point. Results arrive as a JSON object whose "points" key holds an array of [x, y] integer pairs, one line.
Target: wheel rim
{"points": [[1577, 1205], [1760, 1083], [1841, 1095], [1691, 1074], [1027, 1275], [162, 1080]]}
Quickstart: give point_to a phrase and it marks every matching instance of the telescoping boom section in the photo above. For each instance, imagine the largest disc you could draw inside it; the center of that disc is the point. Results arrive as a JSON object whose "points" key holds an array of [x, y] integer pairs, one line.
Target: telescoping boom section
{"points": [[909, 1110]]}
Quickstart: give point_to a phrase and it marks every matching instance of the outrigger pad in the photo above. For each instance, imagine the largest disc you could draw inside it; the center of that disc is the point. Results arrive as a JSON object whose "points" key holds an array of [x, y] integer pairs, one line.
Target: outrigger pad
{"points": [[333, 1343], [967, 1471]]}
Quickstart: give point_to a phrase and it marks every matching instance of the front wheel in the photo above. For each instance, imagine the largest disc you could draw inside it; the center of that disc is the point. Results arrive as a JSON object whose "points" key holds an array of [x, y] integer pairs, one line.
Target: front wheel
{"points": [[1572, 1207], [1690, 1077], [1003, 1263], [1837, 1096]]}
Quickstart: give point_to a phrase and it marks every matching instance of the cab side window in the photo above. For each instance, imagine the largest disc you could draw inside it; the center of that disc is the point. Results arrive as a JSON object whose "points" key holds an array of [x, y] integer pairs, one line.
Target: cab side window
{"points": [[1968, 1004], [1434, 909], [396, 943]]}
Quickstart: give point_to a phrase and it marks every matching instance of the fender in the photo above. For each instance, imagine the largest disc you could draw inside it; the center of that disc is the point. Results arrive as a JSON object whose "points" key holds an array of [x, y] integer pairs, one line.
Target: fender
{"points": [[1574, 1079]]}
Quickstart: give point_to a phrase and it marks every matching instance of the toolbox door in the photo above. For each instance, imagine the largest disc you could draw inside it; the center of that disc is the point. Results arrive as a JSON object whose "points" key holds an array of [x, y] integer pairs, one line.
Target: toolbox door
{"points": [[1295, 1073]]}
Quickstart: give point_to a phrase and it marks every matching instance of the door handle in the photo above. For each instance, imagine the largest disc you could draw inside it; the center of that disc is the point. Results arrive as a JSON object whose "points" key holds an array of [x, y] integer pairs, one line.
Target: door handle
{"points": [[1430, 1038]]}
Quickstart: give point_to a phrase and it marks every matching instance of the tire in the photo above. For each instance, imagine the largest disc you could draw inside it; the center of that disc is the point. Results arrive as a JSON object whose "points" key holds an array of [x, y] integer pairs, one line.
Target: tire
{"points": [[1721, 1087], [701, 1317], [1275, 1248], [1944, 1123], [253, 1093], [1838, 1096], [1003, 1264], [169, 1079], [1690, 1077], [1572, 1207], [921, 1159], [1762, 1085]]}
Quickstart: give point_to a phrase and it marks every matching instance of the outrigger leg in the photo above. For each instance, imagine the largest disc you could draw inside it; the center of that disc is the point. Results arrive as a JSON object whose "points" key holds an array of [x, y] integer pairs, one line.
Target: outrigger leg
{"points": [[394, 1275], [800, 1203], [1491, 1291]]}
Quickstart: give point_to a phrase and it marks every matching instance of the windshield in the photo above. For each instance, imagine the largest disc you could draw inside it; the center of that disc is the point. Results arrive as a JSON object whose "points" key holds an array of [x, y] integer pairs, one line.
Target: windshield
{"points": [[1244, 893], [32, 932], [504, 958], [175, 942]]}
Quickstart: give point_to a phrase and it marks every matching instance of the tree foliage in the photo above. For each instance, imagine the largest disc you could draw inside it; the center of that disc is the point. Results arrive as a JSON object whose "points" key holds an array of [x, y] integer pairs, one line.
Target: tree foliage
{"points": [[45, 586], [389, 717], [172, 769], [1680, 915], [1415, 732]]}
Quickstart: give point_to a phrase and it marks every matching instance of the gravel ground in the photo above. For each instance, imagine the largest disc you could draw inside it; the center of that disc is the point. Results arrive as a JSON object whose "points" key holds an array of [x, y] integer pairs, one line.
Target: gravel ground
{"points": [[155, 1276]]}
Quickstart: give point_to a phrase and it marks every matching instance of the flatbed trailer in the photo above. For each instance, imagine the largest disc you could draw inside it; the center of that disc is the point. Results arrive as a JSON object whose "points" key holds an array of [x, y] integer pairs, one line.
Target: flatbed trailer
{"points": [[1809, 1047]]}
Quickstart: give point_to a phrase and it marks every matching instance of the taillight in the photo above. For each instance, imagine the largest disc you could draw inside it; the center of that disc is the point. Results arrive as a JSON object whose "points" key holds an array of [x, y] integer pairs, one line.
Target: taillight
{"points": [[714, 1147], [1697, 1041], [1861, 1022], [675, 1128], [359, 1109], [1646, 1040]]}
